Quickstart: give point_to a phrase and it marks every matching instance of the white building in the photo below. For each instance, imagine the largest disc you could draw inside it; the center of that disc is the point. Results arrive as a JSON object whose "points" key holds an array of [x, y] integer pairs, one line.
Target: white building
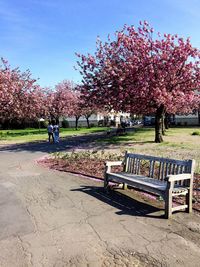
{"points": [[98, 119], [189, 119]]}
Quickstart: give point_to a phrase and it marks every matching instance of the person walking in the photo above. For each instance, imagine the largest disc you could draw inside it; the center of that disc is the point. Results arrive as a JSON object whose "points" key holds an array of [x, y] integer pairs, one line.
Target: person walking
{"points": [[56, 132], [50, 132]]}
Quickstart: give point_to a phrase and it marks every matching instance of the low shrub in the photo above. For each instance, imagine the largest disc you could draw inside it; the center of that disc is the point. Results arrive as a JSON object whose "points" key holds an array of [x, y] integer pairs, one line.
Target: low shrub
{"points": [[94, 154], [196, 133]]}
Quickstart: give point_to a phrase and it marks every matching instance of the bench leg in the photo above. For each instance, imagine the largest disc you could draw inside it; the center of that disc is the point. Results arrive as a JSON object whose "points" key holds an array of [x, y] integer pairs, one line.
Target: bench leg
{"points": [[124, 186], [106, 183], [189, 201], [168, 204]]}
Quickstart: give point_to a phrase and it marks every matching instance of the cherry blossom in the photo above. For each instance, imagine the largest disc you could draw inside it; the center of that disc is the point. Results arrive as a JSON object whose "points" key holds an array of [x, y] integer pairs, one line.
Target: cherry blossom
{"points": [[141, 73]]}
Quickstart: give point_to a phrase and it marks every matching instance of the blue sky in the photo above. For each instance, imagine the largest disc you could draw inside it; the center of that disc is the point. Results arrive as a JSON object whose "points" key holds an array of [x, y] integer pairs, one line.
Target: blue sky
{"points": [[43, 35]]}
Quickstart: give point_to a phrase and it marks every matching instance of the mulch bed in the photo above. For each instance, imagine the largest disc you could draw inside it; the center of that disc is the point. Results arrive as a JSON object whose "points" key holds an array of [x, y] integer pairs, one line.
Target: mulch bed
{"points": [[92, 167], [95, 168]]}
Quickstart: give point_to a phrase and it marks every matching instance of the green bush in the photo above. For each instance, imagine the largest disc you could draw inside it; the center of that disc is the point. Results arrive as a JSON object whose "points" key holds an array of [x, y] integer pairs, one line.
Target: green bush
{"points": [[196, 133]]}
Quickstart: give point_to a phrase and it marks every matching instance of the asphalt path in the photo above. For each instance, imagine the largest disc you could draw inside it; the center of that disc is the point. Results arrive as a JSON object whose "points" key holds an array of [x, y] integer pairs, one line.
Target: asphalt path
{"points": [[51, 218]]}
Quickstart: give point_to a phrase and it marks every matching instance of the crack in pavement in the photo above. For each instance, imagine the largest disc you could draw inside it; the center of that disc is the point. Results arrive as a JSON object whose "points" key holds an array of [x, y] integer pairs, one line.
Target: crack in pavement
{"points": [[27, 253]]}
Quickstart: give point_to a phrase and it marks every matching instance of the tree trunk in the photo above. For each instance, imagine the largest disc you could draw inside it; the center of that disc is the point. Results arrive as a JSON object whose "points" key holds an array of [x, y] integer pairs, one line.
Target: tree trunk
{"points": [[52, 118], [57, 120], [199, 115], [167, 121], [105, 121], [158, 124], [87, 118], [77, 118], [163, 125]]}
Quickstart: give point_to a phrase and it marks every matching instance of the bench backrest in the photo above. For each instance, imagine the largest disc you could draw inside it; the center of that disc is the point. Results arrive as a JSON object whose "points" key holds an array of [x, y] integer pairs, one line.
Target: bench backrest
{"points": [[155, 167]]}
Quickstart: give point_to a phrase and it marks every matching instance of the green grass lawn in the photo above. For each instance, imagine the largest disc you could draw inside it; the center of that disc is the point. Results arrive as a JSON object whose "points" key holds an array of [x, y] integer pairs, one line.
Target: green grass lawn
{"points": [[139, 135], [175, 137], [31, 135]]}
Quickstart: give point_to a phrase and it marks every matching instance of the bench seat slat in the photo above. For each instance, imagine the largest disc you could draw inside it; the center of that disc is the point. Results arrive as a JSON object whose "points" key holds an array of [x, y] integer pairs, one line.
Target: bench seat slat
{"points": [[142, 182]]}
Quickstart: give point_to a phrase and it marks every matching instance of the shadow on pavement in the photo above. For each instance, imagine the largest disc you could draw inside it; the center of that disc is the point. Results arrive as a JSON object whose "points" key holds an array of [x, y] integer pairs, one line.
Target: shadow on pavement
{"points": [[125, 204], [87, 141], [67, 143]]}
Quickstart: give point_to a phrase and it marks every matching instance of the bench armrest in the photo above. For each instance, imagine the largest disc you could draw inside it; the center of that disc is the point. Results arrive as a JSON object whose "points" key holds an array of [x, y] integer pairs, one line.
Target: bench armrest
{"points": [[178, 177], [109, 164], [113, 163]]}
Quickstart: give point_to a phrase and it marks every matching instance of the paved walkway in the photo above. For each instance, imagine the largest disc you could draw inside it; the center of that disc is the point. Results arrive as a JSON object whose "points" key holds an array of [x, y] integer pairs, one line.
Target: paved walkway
{"points": [[48, 218]]}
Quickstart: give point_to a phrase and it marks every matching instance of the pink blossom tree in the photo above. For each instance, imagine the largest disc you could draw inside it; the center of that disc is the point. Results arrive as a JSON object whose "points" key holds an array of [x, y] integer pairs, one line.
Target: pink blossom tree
{"points": [[20, 96], [66, 100], [60, 101], [141, 74], [87, 106], [78, 105]]}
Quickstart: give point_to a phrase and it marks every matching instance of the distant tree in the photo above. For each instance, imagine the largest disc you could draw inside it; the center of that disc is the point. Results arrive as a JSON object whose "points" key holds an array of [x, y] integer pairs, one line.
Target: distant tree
{"points": [[87, 106], [140, 74], [88, 113], [20, 96], [77, 106], [60, 101]]}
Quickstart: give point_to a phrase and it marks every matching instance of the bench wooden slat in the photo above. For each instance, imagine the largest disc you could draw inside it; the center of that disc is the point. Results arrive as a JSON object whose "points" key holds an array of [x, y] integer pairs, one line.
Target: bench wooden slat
{"points": [[166, 169], [170, 168], [140, 182], [159, 159], [173, 168], [151, 168], [163, 171], [135, 166], [160, 170], [138, 167]]}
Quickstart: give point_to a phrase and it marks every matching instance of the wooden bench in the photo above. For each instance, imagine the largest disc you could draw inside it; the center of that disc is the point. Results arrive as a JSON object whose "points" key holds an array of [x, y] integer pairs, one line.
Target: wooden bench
{"points": [[161, 176]]}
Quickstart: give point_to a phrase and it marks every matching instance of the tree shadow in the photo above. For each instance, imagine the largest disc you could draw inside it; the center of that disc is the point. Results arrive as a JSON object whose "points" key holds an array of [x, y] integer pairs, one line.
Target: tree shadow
{"points": [[66, 143], [121, 142], [125, 204], [92, 141]]}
